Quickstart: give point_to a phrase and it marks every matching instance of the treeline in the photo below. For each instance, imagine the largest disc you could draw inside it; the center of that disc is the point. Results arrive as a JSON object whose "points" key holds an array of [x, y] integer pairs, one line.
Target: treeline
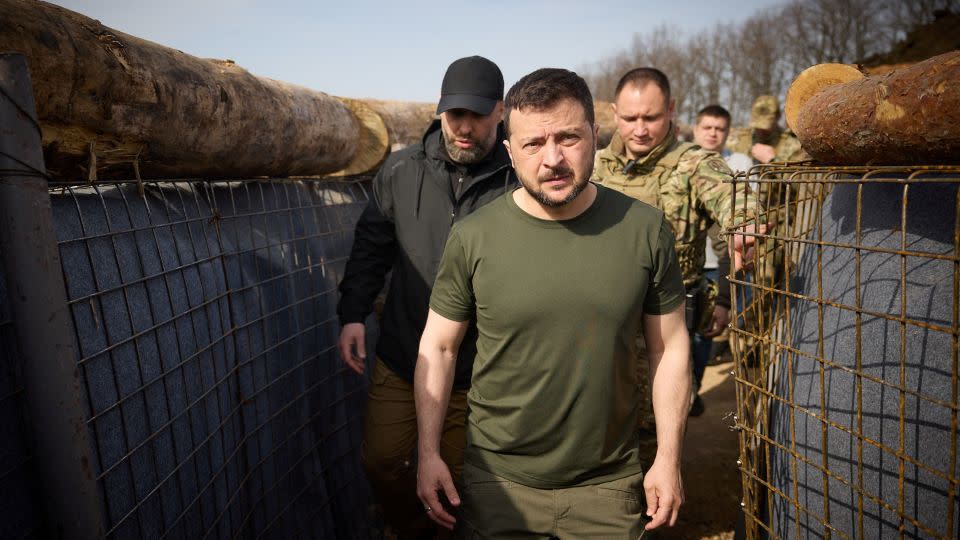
{"points": [[731, 64]]}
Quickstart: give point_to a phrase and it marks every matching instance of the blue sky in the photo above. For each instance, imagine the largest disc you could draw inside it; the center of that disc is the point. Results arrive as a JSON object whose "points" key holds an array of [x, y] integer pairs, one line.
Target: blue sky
{"points": [[399, 50]]}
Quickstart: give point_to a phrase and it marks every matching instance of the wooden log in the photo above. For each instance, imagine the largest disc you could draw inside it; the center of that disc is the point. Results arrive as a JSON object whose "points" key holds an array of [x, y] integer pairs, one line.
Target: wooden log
{"points": [[373, 142], [603, 116], [908, 116], [406, 120], [110, 103], [811, 81]]}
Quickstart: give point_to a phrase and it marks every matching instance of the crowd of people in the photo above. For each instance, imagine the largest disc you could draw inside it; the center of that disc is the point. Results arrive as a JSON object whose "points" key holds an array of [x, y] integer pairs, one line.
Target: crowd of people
{"points": [[550, 307]]}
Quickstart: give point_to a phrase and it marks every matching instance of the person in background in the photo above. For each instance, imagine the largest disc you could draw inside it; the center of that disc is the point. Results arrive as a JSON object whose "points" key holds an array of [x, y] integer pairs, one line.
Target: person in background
{"points": [[690, 184], [764, 140], [417, 196], [710, 131]]}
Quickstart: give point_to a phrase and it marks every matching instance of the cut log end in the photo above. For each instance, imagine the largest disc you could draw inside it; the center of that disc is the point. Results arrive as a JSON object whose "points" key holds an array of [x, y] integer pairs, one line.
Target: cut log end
{"points": [[811, 81], [373, 144]]}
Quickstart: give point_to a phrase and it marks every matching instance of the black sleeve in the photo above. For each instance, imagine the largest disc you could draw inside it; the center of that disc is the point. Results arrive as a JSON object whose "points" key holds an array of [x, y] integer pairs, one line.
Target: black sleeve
{"points": [[723, 284], [372, 255], [719, 244]]}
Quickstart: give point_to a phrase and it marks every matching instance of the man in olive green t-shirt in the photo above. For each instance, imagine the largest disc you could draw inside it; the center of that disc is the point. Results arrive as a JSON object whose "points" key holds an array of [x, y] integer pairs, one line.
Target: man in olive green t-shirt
{"points": [[558, 276]]}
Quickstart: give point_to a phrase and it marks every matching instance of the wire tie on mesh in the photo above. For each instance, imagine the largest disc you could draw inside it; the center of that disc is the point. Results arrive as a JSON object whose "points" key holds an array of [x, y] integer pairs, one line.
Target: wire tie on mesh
{"points": [[92, 172], [215, 219], [93, 311], [136, 172]]}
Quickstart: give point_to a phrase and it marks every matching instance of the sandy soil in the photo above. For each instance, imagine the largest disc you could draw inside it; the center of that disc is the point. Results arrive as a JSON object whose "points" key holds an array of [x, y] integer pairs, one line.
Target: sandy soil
{"points": [[710, 477]]}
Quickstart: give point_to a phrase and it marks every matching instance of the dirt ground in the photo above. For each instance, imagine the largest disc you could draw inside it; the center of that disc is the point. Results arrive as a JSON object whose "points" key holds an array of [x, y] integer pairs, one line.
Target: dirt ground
{"points": [[710, 477]]}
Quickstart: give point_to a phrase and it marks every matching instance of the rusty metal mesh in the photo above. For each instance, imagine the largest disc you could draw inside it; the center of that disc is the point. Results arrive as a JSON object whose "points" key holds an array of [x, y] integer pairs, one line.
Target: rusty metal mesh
{"points": [[205, 333], [846, 354]]}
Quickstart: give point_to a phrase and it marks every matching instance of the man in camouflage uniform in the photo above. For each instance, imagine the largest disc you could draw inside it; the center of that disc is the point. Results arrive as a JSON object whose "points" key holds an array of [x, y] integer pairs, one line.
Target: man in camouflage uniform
{"points": [[646, 161], [766, 142]]}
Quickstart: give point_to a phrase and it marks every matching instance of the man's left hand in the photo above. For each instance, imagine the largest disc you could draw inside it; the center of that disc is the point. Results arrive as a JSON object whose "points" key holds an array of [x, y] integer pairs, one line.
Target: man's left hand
{"points": [[664, 491], [719, 321]]}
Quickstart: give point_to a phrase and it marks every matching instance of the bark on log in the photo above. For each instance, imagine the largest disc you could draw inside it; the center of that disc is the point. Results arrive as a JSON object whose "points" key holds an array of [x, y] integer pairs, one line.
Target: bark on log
{"points": [[107, 100], [908, 116]]}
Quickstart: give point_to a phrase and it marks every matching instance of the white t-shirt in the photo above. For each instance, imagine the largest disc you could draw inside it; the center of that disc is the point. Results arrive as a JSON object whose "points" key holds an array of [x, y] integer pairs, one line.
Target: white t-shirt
{"points": [[738, 161]]}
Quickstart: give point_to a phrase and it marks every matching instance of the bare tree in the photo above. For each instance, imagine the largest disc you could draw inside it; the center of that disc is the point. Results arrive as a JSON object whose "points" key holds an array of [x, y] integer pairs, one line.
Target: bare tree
{"points": [[733, 64], [844, 31], [710, 66], [757, 59], [901, 16], [663, 48]]}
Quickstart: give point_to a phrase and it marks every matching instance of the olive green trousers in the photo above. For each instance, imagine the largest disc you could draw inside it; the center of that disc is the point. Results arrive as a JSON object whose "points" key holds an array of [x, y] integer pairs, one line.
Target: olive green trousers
{"points": [[494, 507]]}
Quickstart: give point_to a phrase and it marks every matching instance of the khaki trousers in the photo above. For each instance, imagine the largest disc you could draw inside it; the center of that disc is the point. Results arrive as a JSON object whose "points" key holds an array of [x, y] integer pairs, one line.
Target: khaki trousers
{"points": [[390, 447]]}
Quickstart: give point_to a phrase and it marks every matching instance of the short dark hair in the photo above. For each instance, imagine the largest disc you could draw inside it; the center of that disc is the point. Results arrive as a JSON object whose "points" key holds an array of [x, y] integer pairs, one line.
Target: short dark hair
{"points": [[641, 77], [545, 87], [716, 111]]}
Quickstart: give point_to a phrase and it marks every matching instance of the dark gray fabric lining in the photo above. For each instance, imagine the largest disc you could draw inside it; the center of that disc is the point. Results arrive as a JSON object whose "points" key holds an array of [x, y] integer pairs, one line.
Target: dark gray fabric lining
{"points": [[928, 364], [229, 413]]}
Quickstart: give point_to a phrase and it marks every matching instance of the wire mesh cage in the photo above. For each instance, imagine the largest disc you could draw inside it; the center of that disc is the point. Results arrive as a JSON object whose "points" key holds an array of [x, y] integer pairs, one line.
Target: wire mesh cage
{"points": [[846, 354], [205, 325]]}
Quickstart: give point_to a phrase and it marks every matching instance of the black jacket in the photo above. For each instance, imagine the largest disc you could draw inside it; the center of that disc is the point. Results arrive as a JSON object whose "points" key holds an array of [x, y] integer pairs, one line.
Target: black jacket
{"points": [[404, 228]]}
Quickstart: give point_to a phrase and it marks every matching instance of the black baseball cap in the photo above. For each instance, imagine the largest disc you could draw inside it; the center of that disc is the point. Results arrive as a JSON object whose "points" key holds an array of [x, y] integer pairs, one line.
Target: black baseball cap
{"points": [[472, 83]]}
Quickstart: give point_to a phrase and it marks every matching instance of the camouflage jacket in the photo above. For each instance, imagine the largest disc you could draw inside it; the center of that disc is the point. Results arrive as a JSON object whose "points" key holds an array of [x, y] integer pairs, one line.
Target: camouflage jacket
{"points": [[687, 183]]}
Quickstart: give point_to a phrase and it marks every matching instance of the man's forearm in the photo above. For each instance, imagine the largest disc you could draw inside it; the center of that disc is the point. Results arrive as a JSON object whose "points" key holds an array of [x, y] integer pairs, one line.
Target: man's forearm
{"points": [[433, 382], [744, 208], [671, 395]]}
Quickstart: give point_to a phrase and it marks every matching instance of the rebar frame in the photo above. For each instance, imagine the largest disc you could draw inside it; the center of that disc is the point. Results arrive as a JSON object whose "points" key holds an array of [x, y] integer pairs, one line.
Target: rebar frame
{"points": [[769, 361]]}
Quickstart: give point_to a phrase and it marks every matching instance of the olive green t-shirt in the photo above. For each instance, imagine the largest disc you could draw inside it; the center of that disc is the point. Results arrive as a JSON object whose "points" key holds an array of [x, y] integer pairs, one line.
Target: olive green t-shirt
{"points": [[558, 305]]}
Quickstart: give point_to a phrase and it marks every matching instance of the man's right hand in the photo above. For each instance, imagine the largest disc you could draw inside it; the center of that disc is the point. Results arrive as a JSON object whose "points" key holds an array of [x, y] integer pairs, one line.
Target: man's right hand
{"points": [[433, 478], [354, 335], [764, 153]]}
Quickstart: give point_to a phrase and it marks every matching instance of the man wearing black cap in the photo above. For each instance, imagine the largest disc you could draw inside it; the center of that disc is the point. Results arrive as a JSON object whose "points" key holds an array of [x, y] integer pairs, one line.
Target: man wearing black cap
{"points": [[419, 193]]}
